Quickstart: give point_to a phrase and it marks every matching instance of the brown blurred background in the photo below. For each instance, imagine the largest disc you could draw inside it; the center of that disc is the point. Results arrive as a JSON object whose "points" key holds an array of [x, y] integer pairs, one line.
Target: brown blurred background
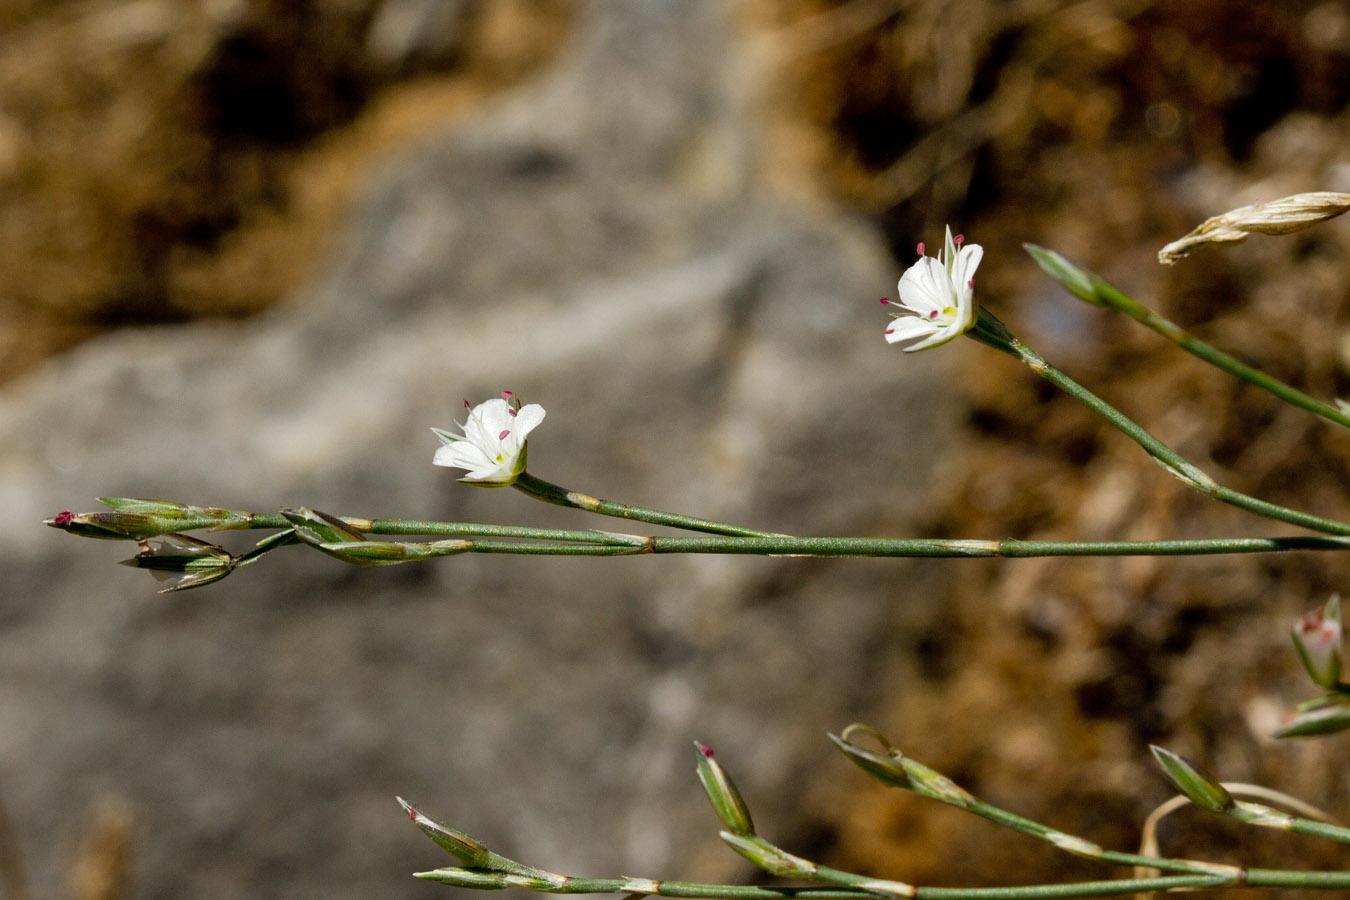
{"points": [[249, 249]]}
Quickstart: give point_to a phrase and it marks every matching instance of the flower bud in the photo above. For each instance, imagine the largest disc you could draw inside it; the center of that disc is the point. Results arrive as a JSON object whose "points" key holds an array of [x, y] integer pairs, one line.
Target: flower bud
{"points": [[1318, 638], [1198, 786], [766, 856], [931, 783], [184, 560], [721, 790], [112, 526], [391, 553], [466, 878], [1325, 715], [881, 767], [1073, 278], [181, 516], [458, 844], [315, 528]]}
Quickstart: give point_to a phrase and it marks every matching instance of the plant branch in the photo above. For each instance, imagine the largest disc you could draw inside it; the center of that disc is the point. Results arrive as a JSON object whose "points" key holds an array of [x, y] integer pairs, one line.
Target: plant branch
{"points": [[989, 330]]}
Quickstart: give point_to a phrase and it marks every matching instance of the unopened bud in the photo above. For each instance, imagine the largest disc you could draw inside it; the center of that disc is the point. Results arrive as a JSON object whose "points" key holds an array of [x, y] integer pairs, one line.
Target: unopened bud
{"points": [[113, 526], [1283, 216], [766, 856], [721, 790], [314, 527], [458, 844], [934, 784], [466, 878], [1198, 786], [182, 516], [1318, 639], [184, 560], [391, 553], [1072, 277], [1325, 715], [883, 768]]}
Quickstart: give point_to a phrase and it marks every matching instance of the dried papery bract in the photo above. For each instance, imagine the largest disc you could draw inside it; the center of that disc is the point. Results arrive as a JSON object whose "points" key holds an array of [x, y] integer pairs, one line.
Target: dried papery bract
{"points": [[1283, 216]]}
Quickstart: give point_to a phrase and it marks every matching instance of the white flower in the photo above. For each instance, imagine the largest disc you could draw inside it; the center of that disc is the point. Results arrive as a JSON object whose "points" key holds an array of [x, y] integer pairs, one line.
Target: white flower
{"points": [[492, 447], [937, 296]]}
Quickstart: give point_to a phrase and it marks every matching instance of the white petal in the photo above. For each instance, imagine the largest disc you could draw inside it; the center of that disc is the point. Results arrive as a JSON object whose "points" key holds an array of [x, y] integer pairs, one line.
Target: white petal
{"points": [[486, 421], [504, 473], [908, 328], [925, 287], [463, 455], [527, 419], [939, 338], [963, 269]]}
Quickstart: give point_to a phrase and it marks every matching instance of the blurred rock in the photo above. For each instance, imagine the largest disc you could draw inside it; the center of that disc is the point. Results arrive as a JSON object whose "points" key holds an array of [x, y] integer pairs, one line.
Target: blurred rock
{"points": [[598, 244], [159, 158]]}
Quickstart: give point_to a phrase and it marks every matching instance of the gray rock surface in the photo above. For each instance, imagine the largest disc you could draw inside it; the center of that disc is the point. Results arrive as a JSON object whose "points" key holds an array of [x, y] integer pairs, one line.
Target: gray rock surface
{"points": [[599, 245]]}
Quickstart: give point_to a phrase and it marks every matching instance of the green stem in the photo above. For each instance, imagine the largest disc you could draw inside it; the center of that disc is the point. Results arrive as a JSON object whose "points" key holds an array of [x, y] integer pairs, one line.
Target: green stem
{"points": [[924, 547], [1115, 887], [1283, 878], [881, 548], [561, 496], [1313, 828], [604, 543], [1094, 289], [461, 529], [989, 330]]}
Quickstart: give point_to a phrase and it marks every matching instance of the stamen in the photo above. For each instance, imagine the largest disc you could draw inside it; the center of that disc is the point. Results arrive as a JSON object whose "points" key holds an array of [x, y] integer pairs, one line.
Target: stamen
{"points": [[970, 283], [932, 314], [502, 436], [920, 248], [511, 412], [959, 240], [63, 518], [885, 301], [507, 395], [466, 405]]}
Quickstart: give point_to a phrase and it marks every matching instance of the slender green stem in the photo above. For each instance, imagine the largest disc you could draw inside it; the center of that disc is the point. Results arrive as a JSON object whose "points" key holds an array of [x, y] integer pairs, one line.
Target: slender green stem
{"points": [[925, 547], [1090, 286], [1284, 878], [551, 541], [462, 529], [1313, 828], [989, 330], [561, 496], [486, 880], [881, 548]]}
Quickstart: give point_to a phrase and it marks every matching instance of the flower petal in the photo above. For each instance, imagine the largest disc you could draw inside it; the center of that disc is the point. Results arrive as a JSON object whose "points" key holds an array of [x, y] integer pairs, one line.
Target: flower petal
{"points": [[527, 418], [937, 339], [909, 328], [925, 287], [463, 455], [963, 269]]}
